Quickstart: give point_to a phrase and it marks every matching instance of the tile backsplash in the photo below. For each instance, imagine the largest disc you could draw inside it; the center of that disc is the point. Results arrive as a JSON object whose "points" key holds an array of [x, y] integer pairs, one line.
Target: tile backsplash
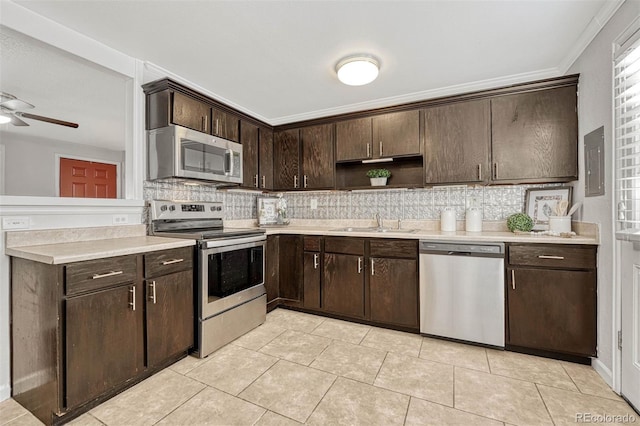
{"points": [[497, 202]]}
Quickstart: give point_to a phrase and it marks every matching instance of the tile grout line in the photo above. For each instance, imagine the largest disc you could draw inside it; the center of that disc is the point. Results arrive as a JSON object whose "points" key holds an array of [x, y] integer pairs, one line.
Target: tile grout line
{"points": [[188, 399], [544, 403], [406, 412], [453, 396], [323, 396]]}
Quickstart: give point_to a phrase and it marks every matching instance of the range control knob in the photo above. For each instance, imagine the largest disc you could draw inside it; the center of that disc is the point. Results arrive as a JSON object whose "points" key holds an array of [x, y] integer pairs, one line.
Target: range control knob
{"points": [[212, 208], [163, 208], [172, 208], [219, 208]]}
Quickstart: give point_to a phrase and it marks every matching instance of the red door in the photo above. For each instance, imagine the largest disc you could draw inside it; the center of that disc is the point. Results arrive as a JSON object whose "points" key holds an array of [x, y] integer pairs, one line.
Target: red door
{"points": [[86, 179]]}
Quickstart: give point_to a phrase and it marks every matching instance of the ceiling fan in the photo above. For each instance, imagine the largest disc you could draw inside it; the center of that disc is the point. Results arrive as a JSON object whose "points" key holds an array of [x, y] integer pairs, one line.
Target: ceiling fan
{"points": [[11, 111]]}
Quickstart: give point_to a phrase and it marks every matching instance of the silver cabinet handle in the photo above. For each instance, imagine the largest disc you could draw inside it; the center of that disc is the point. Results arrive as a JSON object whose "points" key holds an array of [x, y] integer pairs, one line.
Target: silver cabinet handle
{"points": [[544, 256], [203, 125], [315, 260], [153, 291], [373, 271], [380, 148], [108, 274], [264, 181], [255, 181], [304, 181], [217, 125], [206, 123], [359, 265], [368, 150], [495, 170], [295, 181], [172, 261], [479, 171], [132, 290], [513, 279]]}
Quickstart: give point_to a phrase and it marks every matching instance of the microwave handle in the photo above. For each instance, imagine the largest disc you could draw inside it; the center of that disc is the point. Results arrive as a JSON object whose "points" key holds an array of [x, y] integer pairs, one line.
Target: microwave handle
{"points": [[228, 160]]}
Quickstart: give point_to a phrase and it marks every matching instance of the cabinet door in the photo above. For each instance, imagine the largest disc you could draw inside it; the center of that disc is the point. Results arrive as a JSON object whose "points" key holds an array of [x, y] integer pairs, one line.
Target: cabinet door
{"points": [[191, 113], [456, 142], [353, 139], [265, 158], [394, 291], [169, 313], [552, 310], [343, 285], [290, 270], [396, 134], [318, 165], [535, 135], [311, 285], [225, 125], [272, 261], [286, 159], [104, 344], [249, 140]]}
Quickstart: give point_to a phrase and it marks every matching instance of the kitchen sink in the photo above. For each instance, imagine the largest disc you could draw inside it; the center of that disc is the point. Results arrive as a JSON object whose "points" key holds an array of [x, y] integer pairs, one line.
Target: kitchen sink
{"points": [[373, 229]]}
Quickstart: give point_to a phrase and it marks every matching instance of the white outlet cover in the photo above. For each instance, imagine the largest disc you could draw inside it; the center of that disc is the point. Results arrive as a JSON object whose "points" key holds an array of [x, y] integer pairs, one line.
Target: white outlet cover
{"points": [[314, 204], [15, 222]]}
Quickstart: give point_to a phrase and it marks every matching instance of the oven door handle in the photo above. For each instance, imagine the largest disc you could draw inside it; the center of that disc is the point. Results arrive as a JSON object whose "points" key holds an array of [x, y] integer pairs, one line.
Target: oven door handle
{"points": [[230, 242]]}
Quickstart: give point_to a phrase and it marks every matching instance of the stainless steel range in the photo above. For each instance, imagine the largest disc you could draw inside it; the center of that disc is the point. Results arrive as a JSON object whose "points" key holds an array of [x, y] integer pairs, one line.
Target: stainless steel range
{"points": [[231, 297]]}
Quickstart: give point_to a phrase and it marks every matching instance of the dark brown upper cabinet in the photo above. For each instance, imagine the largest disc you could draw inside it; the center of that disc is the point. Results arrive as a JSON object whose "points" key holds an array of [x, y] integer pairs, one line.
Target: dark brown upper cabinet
{"points": [[225, 125], [169, 107], [303, 158], [286, 159], [257, 156], [535, 136], [457, 140], [353, 139], [318, 168], [388, 135], [396, 134]]}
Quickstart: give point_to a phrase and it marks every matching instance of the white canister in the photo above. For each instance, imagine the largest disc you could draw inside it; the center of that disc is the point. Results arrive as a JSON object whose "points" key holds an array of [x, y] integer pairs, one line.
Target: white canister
{"points": [[448, 219], [473, 219], [560, 224]]}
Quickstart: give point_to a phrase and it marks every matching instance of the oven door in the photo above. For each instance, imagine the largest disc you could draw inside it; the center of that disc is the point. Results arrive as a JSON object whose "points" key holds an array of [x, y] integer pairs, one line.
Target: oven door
{"points": [[231, 273]]}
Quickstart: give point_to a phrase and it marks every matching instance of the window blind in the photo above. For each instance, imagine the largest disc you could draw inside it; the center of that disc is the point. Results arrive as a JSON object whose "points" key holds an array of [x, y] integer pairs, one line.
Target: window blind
{"points": [[627, 133]]}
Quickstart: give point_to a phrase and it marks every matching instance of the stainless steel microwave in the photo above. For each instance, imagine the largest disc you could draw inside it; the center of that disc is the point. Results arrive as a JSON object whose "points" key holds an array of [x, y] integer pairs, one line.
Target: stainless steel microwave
{"points": [[178, 152]]}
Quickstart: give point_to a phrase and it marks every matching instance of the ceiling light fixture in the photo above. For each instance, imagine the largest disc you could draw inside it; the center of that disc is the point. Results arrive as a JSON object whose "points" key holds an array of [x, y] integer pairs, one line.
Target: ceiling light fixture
{"points": [[4, 119], [357, 70]]}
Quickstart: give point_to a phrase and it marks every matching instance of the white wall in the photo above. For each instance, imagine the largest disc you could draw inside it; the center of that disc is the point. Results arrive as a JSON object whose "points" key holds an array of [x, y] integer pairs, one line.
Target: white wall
{"points": [[31, 169], [595, 110]]}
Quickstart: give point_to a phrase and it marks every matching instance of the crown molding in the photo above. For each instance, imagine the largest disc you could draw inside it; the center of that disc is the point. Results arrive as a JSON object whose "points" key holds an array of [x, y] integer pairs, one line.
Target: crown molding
{"points": [[608, 9], [420, 96]]}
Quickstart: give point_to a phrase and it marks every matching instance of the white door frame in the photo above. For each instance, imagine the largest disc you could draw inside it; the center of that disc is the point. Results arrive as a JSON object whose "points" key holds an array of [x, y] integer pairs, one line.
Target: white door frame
{"points": [[118, 165], [2, 169]]}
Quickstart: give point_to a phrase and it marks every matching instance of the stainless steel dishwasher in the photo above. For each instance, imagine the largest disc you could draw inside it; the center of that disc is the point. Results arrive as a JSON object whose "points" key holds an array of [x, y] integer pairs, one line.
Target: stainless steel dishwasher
{"points": [[462, 291]]}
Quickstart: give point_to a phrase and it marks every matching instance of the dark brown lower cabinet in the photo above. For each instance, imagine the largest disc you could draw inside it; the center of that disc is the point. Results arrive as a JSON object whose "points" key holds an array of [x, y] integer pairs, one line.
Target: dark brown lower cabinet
{"points": [[84, 331], [272, 270], [393, 291], [103, 342], [170, 316], [311, 283], [551, 293], [290, 253], [343, 287]]}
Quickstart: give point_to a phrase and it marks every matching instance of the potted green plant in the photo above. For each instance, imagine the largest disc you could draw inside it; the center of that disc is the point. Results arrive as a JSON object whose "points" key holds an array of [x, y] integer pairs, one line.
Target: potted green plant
{"points": [[378, 177]]}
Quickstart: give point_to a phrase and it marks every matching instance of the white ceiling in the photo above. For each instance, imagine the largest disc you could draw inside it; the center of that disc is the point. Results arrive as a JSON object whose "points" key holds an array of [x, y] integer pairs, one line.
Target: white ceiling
{"points": [[275, 59]]}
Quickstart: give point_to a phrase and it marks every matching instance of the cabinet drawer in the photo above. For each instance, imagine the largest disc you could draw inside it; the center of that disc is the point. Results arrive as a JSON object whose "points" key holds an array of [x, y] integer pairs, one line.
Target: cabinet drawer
{"points": [[553, 256], [101, 273], [346, 245], [394, 248], [311, 243], [158, 263]]}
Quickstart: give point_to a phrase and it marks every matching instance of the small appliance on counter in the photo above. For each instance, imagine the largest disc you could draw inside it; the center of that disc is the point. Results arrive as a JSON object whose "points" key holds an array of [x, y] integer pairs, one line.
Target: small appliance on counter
{"points": [[448, 219], [272, 211], [473, 219]]}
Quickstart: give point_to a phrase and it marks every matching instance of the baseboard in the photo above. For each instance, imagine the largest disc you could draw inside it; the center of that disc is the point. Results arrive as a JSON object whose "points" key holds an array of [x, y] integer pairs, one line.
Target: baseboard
{"points": [[604, 371], [5, 392]]}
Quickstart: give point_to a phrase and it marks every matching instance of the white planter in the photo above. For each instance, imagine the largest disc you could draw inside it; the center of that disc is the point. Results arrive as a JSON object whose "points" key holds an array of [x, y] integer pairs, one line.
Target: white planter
{"points": [[381, 181]]}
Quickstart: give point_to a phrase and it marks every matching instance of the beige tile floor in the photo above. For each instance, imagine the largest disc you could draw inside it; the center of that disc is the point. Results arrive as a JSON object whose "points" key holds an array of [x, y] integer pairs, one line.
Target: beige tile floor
{"points": [[299, 368]]}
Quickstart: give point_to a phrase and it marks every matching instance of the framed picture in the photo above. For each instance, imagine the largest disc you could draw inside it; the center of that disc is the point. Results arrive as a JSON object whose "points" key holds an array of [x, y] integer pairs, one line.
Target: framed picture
{"points": [[267, 210], [540, 203]]}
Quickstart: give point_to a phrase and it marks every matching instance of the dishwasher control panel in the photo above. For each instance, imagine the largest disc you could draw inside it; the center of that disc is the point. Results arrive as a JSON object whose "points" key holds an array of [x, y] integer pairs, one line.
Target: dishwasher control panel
{"points": [[453, 248]]}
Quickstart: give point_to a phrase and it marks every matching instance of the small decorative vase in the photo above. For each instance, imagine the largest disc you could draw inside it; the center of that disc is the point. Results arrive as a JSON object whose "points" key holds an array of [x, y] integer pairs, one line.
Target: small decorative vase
{"points": [[381, 181]]}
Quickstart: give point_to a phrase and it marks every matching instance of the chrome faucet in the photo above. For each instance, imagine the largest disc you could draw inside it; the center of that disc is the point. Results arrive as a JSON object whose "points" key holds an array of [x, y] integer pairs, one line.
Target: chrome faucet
{"points": [[379, 220]]}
